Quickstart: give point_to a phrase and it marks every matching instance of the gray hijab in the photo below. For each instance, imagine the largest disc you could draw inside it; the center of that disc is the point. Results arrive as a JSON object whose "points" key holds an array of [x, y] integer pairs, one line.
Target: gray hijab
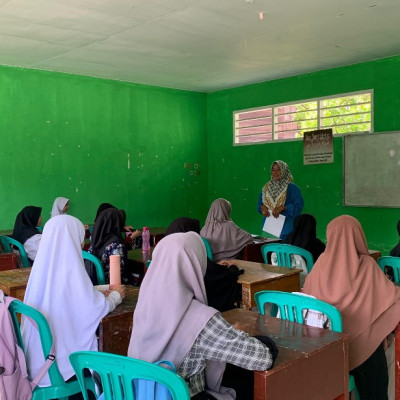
{"points": [[225, 237]]}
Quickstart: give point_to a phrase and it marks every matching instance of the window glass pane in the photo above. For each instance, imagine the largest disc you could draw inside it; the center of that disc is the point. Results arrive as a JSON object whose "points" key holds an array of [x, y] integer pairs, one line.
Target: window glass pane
{"points": [[344, 114]]}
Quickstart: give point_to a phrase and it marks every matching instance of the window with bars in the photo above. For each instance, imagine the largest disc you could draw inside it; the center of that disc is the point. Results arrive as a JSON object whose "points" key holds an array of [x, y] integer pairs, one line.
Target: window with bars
{"points": [[344, 113]]}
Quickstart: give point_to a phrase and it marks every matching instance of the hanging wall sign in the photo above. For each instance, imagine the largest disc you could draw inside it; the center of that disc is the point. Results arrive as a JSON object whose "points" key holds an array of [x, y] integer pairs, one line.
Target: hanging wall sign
{"points": [[318, 147]]}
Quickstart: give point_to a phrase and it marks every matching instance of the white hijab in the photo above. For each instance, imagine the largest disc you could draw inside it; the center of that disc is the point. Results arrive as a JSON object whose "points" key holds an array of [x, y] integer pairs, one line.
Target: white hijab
{"points": [[60, 288], [58, 205]]}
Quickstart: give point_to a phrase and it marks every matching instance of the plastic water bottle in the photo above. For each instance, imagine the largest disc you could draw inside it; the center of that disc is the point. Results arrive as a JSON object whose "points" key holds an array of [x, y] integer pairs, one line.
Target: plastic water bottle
{"points": [[145, 239]]}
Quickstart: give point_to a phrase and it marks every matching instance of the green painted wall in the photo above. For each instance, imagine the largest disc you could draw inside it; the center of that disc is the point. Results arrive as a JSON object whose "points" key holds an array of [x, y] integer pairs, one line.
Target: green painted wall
{"points": [[94, 141], [238, 173]]}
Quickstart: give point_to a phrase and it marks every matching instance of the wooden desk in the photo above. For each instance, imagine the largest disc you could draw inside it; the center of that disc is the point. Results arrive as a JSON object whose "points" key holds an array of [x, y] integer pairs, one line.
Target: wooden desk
{"points": [[258, 276], [8, 261], [375, 254], [115, 328], [252, 251], [14, 281], [312, 363]]}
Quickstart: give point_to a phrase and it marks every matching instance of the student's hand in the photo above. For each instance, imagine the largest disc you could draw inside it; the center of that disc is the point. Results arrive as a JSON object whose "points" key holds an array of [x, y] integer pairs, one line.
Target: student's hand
{"points": [[265, 211], [128, 228], [135, 234], [277, 210], [227, 263], [120, 289]]}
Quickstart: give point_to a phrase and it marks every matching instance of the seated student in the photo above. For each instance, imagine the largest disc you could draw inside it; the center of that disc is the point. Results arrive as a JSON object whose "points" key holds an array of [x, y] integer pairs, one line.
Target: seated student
{"points": [[226, 239], [107, 239], [25, 229], [59, 288], [395, 252], [349, 279], [134, 234], [172, 307], [220, 280], [60, 206], [304, 235]]}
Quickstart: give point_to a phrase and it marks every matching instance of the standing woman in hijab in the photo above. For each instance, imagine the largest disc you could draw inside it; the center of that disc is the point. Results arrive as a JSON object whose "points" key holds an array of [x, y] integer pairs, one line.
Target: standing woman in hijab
{"points": [[26, 231], [226, 238], [60, 206], [59, 288], [349, 279], [220, 280], [177, 325], [107, 239], [281, 196]]}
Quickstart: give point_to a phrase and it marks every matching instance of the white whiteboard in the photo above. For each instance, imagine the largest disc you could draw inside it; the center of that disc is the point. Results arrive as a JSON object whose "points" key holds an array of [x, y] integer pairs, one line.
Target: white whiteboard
{"points": [[371, 170]]}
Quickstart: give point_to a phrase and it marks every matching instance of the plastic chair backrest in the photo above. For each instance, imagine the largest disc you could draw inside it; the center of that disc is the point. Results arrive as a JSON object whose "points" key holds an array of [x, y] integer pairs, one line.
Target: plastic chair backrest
{"points": [[97, 263], [8, 242], [390, 261], [291, 306], [208, 249], [117, 372], [59, 389], [284, 251]]}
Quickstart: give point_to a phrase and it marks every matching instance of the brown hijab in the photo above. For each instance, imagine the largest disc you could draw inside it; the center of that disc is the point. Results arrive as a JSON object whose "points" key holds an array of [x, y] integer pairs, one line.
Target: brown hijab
{"points": [[348, 278]]}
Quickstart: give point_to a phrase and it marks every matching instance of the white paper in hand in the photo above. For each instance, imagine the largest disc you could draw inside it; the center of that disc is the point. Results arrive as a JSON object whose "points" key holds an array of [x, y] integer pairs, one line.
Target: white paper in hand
{"points": [[274, 225]]}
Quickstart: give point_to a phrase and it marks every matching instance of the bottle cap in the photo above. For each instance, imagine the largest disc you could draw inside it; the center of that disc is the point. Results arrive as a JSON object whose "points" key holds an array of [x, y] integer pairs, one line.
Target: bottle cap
{"points": [[145, 228]]}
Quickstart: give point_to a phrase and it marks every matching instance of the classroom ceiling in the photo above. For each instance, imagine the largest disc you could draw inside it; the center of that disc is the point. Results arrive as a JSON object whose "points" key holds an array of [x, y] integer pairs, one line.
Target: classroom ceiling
{"points": [[201, 45]]}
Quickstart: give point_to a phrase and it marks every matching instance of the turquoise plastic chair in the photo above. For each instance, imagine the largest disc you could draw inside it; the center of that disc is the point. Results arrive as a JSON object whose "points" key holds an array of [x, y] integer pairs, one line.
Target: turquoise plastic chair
{"points": [[97, 263], [8, 242], [59, 389], [40, 228], [148, 263], [291, 306], [208, 249], [284, 251], [117, 372], [389, 261]]}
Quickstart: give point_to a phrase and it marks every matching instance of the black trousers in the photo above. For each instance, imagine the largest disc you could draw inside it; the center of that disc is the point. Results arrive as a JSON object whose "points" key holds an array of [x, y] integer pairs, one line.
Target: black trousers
{"points": [[371, 377]]}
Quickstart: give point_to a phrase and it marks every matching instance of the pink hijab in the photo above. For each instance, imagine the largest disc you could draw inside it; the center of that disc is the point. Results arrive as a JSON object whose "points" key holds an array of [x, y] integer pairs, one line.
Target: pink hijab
{"points": [[225, 237], [348, 278], [172, 306]]}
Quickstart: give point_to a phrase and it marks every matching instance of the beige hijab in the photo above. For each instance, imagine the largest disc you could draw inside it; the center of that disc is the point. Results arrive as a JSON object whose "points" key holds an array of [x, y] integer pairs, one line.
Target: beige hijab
{"points": [[348, 278], [274, 192], [225, 237]]}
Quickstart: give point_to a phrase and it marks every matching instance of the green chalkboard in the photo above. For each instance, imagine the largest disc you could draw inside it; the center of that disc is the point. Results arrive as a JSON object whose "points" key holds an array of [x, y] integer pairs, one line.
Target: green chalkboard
{"points": [[371, 170]]}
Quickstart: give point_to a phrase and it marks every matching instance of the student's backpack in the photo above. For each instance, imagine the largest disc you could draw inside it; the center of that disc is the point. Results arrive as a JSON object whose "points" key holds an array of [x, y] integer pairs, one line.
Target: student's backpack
{"points": [[14, 381]]}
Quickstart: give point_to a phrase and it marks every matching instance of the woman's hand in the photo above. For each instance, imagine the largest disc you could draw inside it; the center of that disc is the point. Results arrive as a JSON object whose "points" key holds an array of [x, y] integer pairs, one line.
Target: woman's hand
{"points": [[227, 263], [265, 211], [120, 289], [277, 210]]}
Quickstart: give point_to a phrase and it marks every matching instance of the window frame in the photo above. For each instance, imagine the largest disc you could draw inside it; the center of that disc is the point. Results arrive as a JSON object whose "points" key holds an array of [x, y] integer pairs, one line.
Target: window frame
{"points": [[319, 118]]}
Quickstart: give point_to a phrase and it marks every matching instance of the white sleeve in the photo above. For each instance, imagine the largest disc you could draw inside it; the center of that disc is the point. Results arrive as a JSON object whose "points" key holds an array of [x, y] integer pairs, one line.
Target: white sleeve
{"points": [[31, 246], [102, 288], [113, 299]]}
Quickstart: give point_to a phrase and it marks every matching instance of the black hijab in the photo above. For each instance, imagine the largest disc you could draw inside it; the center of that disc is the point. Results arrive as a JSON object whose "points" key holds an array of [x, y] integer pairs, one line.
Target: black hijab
{"points": [[26, 223], [220, 281], [102, 207], [304, 235], [107, 229], [395, 252]]}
